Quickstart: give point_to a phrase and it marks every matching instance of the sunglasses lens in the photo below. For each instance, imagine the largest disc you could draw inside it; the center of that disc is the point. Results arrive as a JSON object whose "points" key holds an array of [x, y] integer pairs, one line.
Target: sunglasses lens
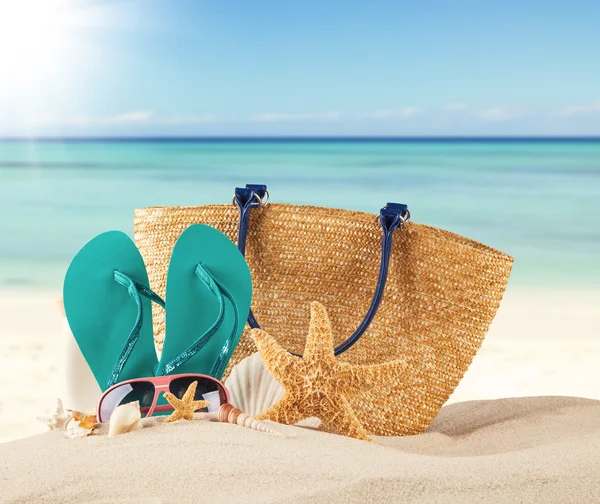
{"points": [[127, 393], [207, 390]]}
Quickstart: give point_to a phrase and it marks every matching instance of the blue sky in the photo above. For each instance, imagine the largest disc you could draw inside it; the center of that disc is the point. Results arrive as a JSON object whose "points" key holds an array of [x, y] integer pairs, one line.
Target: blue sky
{"points": [[255, 67]]}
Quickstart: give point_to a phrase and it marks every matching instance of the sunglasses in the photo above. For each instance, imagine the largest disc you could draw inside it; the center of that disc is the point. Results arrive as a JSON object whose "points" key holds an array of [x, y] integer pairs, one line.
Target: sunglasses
{"points": [[149, 392]]}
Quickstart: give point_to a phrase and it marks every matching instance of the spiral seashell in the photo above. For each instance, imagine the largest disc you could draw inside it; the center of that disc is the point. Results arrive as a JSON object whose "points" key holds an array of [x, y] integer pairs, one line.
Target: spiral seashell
{"points": [[125, 418], [228, 413]]}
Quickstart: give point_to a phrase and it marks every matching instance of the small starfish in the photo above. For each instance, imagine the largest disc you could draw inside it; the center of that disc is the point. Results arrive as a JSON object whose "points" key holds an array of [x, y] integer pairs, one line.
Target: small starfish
{"points": [[59, 420], [318, 385], [184, 407]]}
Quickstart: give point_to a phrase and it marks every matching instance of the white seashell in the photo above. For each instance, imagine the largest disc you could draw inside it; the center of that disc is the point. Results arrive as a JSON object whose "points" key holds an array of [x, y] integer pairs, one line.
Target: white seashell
{"points": [[125, 418], [253, 389], [77, 432], [59, 420], [228, 413]]}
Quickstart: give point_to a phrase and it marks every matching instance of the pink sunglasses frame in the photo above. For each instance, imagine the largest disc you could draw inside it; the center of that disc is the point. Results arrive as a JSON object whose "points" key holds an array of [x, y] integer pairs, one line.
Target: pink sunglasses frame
{"points": [[161, 385]]}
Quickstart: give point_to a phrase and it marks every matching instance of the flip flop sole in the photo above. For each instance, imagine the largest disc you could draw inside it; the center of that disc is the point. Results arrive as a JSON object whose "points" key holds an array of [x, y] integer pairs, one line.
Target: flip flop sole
{"points": [[101, 312], [192, 307]]}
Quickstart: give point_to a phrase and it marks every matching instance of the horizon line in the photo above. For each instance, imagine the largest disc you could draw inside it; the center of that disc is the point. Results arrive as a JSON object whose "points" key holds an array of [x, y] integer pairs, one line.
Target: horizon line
{"points": [[323, 138]]}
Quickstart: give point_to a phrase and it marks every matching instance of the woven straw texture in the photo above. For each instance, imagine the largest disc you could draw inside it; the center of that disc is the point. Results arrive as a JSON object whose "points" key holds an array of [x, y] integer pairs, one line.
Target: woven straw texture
{"points": [[442, 293]]}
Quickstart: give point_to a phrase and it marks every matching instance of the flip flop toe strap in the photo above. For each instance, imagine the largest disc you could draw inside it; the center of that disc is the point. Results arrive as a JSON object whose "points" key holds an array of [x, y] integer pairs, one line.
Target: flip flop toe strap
{"points": [[222, 359], [135, 290], [220, 292]]}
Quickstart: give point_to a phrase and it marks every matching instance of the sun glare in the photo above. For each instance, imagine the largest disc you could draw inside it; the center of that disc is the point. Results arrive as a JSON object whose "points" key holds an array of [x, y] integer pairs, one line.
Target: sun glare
{"points": [[32, 35]]}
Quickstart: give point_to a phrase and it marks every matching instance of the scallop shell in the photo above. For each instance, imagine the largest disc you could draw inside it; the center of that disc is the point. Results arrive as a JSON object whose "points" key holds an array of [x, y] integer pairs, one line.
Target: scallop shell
{"points": [[125, 418], [253, 389]]}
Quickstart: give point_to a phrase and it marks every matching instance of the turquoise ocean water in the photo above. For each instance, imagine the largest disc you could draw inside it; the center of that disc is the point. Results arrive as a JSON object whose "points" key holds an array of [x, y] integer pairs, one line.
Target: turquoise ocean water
{"points": [[538, 201]]}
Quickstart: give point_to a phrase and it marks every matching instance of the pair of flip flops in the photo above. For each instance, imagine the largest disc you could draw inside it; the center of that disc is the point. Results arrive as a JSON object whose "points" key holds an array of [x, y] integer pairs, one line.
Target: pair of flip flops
{"points": [[108, 304]]}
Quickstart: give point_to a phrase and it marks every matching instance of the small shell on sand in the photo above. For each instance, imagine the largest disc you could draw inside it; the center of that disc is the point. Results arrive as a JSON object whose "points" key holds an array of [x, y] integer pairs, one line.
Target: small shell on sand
{"points": [[228, 413], [125, 418], [84, 425], [78, 432], [253, 389], [59, 420]]}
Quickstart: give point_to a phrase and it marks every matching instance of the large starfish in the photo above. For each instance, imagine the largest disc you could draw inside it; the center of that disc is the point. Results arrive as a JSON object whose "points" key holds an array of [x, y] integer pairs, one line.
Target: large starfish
{"points": [[317, 385], [184, 407]]}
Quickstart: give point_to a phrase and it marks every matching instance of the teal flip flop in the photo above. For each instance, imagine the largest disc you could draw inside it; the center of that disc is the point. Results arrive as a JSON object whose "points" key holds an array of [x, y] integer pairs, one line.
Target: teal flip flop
{"points": [[209, 290], [108, 307]]}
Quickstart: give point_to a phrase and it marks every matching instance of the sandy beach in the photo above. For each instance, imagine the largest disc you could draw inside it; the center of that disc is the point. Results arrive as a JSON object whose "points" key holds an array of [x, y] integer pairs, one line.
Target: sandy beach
{"points": [[492, 442], [534, 450], [541, 343]]}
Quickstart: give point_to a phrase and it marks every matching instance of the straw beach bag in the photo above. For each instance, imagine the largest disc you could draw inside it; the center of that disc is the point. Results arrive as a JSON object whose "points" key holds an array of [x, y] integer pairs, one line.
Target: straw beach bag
{"points": [[393, 289]]}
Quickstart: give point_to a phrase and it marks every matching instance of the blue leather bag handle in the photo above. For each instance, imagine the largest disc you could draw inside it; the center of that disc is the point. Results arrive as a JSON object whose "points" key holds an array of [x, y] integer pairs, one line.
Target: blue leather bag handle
{"points": [[391, 217]]}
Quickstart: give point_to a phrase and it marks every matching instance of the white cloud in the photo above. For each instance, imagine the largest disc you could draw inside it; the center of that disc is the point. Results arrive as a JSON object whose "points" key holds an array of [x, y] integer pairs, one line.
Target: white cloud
{"points": [[134, 117], [501, 113], [331, 116], [455, 107], [272, 117], [125, 118], [128, 117], [190, 119], [450, 118], [401, 113], [573, 110]]}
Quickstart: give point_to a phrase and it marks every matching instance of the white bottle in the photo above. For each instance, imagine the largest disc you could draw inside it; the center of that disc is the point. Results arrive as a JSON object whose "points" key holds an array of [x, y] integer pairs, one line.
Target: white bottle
{"points": [[78, 387]]}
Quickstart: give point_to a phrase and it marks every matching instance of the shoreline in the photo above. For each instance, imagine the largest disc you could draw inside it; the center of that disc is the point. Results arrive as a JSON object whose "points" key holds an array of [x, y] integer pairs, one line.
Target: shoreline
{"points": [[542, 343]]}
